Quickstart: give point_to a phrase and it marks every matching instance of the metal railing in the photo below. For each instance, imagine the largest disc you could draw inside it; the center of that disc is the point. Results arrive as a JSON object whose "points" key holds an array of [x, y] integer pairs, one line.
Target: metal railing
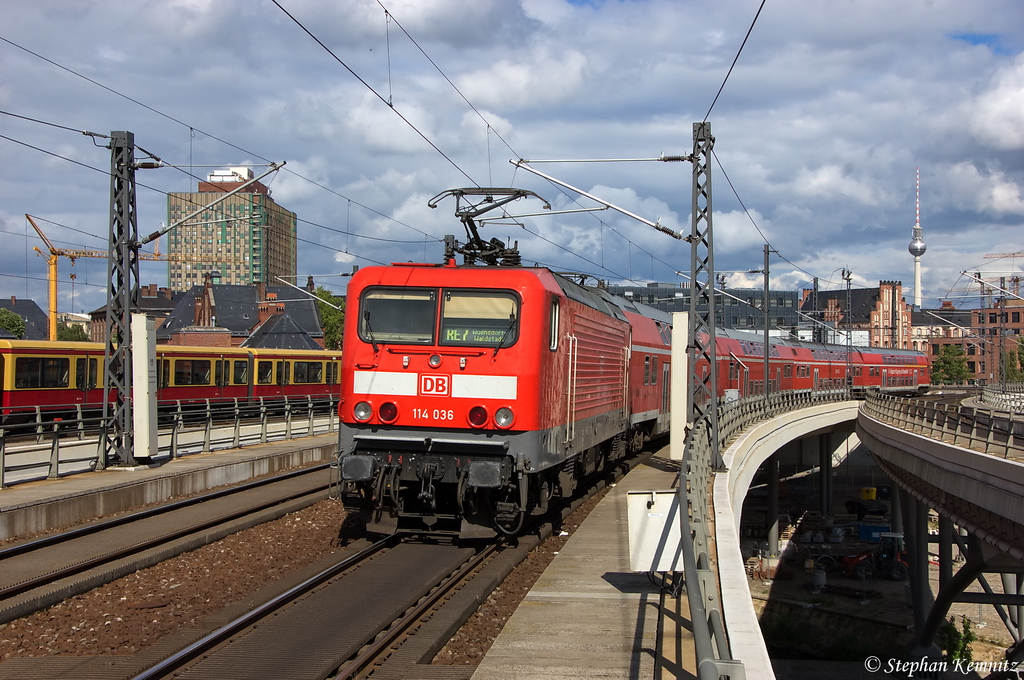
{"points": [[1007, 396], [714, 655], [37, 444], [995, 433]]}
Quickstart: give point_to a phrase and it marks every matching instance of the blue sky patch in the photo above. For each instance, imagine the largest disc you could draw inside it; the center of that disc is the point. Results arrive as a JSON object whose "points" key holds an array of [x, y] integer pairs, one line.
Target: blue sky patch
{"points": [[991, 40]]}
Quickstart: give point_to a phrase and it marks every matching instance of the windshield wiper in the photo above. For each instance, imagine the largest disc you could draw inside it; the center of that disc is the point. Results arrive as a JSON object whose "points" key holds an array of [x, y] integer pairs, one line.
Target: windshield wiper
{"points": [[369, 331], [511, 325]]}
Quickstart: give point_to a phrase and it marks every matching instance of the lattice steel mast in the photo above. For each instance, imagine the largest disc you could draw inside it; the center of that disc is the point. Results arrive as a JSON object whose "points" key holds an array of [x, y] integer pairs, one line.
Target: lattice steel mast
{"points": [[122, 298], [703, 399]]}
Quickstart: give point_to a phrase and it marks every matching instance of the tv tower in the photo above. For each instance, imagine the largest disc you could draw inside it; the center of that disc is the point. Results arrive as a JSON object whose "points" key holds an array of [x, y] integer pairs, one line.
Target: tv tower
{"points": [[917, 246]]}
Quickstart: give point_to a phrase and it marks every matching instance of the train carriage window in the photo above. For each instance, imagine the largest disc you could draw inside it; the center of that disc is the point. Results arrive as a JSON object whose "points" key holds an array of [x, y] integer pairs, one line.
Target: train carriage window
{"points": [[309, 371], [647, 370], [192, 372], [163, 372], [283, 373], [479, 318], [218, 375], [41, 372], [654, 370], [397, 315], [332, 372], [241, 372], [84, 380], [265, 373]]}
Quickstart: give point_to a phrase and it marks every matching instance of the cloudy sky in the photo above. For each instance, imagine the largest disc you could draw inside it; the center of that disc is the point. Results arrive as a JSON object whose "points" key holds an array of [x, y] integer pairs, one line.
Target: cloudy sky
{"points": [[828, 112]]}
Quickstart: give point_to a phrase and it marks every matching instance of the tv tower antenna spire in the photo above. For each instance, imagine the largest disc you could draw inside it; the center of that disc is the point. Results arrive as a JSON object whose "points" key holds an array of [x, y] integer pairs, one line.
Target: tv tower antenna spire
{"points": [[917, 246]]}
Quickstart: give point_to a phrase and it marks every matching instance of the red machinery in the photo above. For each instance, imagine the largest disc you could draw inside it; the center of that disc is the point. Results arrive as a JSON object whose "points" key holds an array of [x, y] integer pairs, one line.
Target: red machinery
{"points": [[471, 395]]}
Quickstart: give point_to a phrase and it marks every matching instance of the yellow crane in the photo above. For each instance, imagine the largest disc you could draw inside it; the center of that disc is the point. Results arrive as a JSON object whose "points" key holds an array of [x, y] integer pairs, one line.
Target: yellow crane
{"points": [[72, 254]]}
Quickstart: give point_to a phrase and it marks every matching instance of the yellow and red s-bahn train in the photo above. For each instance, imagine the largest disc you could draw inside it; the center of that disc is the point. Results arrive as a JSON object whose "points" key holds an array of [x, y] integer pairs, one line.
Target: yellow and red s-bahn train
{"points": [[58, 375]]}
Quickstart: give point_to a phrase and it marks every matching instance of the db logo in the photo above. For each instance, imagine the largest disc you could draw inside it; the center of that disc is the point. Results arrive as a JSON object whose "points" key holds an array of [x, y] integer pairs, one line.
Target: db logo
{"points": [[436, 385]]}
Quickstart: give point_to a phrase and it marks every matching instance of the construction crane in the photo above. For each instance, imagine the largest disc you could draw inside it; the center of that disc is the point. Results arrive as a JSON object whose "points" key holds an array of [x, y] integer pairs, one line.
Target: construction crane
{"points": [[72, 254]]}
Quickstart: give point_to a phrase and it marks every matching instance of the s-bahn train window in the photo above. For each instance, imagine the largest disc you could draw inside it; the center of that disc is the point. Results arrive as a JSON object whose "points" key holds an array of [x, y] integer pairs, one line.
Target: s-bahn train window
{"points": [[475, 318], [40, 372], [265, 373], [398, 315], [309, 371], [283, 372], [192, 372], [332, 372], [83, 380], [241, 372]]}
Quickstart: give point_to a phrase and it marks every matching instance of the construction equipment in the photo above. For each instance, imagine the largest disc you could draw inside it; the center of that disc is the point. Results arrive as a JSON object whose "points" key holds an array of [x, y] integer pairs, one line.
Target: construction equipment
{"points": [[890, 558], [71, 254]]}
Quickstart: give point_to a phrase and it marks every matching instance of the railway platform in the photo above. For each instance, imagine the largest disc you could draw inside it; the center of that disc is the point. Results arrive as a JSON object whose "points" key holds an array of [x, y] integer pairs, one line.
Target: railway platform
{"points": [[42, 505], [589, 616]]}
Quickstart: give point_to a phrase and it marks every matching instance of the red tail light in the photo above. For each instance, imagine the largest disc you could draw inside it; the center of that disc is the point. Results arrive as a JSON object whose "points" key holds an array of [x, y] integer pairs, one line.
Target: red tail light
{"points": [[388, 412], [478, 416]]}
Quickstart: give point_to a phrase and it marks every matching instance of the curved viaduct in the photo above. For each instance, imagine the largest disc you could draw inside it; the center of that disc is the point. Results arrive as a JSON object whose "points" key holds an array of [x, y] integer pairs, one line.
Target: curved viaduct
{"points": [[959, 463]]}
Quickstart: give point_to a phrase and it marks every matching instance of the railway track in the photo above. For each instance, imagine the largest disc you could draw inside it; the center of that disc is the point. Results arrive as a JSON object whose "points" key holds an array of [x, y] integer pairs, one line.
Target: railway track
{"points": [[382, 611], [38, 573]]}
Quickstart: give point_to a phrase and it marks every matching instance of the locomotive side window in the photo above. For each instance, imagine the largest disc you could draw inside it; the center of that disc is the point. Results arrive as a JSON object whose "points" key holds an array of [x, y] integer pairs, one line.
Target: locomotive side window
{"points": [[309, 371], [397, 315], [241, 372], [553, 342], [83, 380], [475, 318], [40, 372], [192, 372]]}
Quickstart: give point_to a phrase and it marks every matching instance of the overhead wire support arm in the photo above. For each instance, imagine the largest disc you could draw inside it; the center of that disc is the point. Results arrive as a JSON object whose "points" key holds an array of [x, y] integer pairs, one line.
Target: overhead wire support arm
{"points": [[657, 225], [274, 167], [662, 157]]}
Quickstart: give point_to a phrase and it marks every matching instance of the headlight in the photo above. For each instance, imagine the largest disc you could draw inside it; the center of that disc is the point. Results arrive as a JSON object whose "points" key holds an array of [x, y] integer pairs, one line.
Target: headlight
{"points": [[504, 417], [478, 416], [388, 412], [362, 411]]}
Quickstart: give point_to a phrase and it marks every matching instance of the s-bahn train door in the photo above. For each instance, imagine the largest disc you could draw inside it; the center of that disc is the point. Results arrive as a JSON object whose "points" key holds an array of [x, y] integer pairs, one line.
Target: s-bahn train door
{"points": [[251, 374]]}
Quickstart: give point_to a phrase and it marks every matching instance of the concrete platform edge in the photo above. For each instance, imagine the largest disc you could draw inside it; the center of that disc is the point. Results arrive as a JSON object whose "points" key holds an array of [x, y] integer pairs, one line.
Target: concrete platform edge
{"points": [[43, 506]]}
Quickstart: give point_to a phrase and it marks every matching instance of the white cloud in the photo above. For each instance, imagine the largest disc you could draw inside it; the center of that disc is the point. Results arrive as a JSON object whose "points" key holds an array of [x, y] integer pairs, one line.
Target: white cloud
{"points": [[545, 78], [996, 117]]}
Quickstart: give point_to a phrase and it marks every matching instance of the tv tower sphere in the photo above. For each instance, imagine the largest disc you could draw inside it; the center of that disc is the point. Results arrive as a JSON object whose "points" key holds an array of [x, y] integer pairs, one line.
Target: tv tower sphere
{"points": [[917, 246]]}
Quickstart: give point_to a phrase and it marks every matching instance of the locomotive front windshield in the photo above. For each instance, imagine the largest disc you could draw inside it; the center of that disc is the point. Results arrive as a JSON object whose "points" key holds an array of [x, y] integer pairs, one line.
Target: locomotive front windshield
{"points": [[469, 318], [479, 318], [398, 315]]}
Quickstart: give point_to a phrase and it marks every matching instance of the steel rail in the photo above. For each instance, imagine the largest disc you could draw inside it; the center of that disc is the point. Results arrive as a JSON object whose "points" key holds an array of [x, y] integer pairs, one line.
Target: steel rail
{"points": [[79, 567], [397, 629], [176, 661]]}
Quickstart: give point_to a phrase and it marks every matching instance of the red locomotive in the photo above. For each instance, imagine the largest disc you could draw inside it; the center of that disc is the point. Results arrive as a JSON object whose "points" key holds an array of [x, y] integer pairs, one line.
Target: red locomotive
{"points": [[473, 395]]}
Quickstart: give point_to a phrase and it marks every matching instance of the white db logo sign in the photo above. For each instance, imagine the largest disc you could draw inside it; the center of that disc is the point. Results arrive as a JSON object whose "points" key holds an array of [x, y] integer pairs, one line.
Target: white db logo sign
{"points": [[436, 385]]}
